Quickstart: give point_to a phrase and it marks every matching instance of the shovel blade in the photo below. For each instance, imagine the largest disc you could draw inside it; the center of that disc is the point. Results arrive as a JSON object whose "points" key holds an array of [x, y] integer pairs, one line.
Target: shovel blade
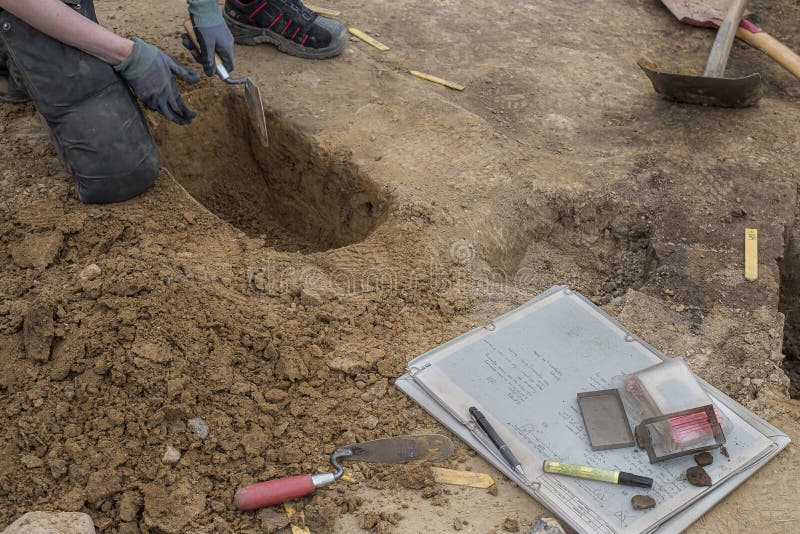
{"points": [[400, 450], [706, 91], [255, 107]]}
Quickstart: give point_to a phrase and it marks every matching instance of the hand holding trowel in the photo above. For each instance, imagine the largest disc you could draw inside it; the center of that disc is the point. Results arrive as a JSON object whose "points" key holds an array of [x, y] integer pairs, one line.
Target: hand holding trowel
{"points": [[712, 88], [709, 13], [252, 94], [400, 450]]}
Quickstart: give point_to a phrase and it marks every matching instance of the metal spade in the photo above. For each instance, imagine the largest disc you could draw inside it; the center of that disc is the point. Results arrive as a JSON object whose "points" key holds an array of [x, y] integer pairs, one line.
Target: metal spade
{"points": [[712, 88]]}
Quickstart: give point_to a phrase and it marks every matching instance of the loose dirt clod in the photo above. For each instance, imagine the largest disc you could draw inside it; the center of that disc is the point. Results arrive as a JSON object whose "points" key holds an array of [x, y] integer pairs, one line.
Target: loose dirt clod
{"points": [[38, 331], [704, 458], [37, 250], [697, 476], [511, 525], [642, 502]]}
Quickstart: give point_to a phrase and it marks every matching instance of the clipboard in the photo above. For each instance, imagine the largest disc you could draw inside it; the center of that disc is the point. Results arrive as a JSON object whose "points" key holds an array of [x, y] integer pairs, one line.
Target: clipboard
{"points": [[515, 362]]}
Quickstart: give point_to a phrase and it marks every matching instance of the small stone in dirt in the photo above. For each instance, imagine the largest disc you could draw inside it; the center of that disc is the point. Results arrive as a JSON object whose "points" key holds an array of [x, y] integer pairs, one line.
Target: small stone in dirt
{"points": [[642, 502], [697, 476], [90, 272], [458, 524], [38, 331], [37, 250], [199, 427], [703, 459], [371, 422], [546, 525], [171, 455], [511, 525], [51, 522], [492, 490]]}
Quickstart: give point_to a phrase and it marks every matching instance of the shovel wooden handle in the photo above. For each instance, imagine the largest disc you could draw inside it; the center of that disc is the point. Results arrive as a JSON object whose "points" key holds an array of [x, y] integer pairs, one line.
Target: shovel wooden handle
{"points": [[273, 492], [189, 29], [773, 48]]}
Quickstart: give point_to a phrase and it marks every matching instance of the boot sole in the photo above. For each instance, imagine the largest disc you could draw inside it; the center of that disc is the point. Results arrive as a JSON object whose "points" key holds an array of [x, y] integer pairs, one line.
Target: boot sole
{"points": [[249, 35]]}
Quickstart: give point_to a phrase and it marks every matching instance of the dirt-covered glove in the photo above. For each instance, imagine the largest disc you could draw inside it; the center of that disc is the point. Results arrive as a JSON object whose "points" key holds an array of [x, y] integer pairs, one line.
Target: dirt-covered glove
{"points": [[151, 74], [213, 35]]}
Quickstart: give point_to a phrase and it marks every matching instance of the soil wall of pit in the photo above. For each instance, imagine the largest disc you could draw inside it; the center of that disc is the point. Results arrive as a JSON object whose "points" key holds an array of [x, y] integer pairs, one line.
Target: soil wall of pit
{"points": [[291, 192]]}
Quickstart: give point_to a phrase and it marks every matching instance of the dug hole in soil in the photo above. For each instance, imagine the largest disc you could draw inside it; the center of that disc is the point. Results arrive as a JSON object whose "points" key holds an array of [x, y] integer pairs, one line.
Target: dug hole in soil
{"points": [[290, 193]]}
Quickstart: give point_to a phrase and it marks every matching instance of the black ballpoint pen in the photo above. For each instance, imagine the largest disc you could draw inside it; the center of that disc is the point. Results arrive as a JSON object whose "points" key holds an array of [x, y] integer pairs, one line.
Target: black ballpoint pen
{"points": [[480, 419]]}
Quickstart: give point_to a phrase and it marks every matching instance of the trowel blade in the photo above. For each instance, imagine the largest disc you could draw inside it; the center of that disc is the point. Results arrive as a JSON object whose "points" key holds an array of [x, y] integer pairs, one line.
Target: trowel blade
{"points": [[400, 450], [703, 90], [255, 107]]}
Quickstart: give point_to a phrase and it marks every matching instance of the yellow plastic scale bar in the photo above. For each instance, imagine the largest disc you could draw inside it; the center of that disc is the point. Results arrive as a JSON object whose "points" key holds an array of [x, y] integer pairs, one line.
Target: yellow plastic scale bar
{"points": [[367, 39], [324, 11], [436, 79], [750, 254]]}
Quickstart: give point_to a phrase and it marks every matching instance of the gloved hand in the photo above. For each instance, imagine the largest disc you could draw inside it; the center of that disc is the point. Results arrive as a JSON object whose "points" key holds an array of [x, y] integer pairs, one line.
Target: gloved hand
{"points": [[213, 35], [151, 74]]}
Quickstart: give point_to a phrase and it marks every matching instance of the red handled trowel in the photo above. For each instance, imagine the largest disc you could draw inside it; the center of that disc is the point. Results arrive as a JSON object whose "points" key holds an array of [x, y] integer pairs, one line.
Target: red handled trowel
{"points": [[399, 450]]}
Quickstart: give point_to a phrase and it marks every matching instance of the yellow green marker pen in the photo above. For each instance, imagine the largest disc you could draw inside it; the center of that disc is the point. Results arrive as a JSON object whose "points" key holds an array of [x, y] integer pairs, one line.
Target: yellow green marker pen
{"points": [[595, 473]]}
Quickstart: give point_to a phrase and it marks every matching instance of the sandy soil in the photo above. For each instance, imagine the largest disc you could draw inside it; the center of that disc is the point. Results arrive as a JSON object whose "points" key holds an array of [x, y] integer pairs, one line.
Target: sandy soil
{"points": [[277, 293]]}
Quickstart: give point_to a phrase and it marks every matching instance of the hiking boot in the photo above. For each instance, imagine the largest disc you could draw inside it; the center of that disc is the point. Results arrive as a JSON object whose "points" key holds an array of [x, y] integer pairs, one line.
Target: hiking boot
{"points": [[288, 24], [10, 91]]}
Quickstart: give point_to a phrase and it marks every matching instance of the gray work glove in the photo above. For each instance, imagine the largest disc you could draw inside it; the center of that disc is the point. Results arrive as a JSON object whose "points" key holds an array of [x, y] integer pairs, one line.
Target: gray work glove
{"points": [[213, 35], [151, 74]]}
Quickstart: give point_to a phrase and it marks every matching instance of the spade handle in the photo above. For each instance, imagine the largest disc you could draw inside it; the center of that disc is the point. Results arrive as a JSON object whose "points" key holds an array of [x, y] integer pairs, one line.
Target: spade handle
{"points": [[718, 58], [773, 48]]}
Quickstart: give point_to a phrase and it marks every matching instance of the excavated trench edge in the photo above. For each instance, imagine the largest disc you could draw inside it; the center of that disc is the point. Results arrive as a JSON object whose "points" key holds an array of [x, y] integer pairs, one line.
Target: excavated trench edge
{"points": [[790, 303], [293, 193]]}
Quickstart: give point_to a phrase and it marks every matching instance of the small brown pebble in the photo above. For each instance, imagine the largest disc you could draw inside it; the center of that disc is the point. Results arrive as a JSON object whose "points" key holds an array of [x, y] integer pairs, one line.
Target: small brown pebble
{"points": [[697, 476], [458, 524], [492, 490], [511, 525], [642, 502], [703, 459]]}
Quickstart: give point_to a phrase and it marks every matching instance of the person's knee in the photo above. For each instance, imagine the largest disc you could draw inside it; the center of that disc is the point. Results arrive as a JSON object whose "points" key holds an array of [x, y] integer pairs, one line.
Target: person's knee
{"points": [[120, 182]]}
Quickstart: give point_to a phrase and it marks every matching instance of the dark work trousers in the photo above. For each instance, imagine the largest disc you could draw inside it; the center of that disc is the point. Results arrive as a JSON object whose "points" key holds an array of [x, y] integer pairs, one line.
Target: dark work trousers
{"points": [[95, 123]]}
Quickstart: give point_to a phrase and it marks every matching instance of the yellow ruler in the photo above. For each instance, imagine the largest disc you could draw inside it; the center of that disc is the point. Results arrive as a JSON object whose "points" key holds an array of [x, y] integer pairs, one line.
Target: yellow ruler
{"points": [[324, 11], [367, 39], [750, 254], [436, 79], [462, 478]]}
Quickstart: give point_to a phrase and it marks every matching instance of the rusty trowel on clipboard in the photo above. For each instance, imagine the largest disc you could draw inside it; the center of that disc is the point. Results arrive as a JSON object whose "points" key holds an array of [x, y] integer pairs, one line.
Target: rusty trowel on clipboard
{"points": [[252, 94]]}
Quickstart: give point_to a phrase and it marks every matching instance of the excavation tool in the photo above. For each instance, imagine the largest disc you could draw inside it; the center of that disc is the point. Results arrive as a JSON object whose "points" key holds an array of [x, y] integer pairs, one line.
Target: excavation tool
{"points": [[710, 89], [709, 13], [399, 450], [252, 94]]}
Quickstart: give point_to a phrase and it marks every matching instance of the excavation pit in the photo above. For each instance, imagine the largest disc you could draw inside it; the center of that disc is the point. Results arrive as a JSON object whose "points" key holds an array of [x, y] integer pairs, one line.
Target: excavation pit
{"points": [[292, 193], [790, 305]]}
